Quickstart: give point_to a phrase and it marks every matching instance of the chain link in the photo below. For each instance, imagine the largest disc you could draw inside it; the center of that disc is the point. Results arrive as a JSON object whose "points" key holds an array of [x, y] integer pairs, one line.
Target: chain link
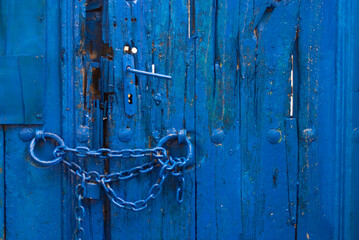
{"points": [[175, 166], [155, 189], [105, 153], [80, 192], [168, 166]]}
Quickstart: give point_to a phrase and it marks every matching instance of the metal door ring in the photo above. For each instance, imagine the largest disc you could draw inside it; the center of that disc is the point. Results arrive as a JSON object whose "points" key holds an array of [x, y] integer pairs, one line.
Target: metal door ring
{"points": [[46, 163], [182, 138]]}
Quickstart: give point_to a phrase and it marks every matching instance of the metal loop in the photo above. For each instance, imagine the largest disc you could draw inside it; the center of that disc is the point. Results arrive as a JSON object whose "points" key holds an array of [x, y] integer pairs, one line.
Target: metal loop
{"points": [[155, 190], [93, 175], [189, 146], [80, 191], [104, 153], [182, 135], [180, 189], [79, 233], [79, 212], [45, 163], [39, 135], [82, 151], [139, 205]]}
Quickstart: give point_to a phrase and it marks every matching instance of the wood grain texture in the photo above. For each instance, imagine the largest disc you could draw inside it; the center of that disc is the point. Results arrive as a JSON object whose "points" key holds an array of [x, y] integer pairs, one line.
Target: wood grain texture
{"points": [[347, 121], [319, 175], [67, 73], [265, 72], [2, 183], [83, 106], [218, 173], [159, 31]]}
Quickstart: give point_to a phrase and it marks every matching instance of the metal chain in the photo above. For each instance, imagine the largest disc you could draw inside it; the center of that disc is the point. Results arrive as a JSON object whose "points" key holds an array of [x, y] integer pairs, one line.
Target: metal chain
{"points": [[173, 165], [80, 192], [105, 153], [168, 165]]}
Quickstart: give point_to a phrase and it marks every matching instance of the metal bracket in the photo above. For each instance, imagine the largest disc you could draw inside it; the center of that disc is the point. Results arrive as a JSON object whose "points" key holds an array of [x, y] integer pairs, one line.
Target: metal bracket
{"points": [[130, 97], [129, 72], [291, 141]]}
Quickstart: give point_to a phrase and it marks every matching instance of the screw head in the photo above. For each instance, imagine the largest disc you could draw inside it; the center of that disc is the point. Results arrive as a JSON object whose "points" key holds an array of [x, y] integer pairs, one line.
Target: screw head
{"points": [[309, 135], [274, 136], [26, 134], [83, 134], [124, 134], [217, 136]]}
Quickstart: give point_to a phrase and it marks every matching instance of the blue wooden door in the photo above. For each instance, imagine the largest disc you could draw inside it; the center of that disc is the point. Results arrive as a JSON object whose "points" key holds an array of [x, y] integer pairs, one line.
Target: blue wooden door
{"points": [[257, 96]]}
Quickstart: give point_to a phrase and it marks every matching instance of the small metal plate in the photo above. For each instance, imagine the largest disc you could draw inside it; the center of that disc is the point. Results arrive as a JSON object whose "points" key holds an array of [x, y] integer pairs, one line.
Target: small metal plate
{"points": [[22, 83], [130, 96]]}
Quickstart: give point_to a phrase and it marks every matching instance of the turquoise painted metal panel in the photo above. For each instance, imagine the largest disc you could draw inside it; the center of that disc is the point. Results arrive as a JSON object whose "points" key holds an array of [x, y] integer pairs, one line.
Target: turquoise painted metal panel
{"points": [[31, 198], [181, 119], [21, 89]]}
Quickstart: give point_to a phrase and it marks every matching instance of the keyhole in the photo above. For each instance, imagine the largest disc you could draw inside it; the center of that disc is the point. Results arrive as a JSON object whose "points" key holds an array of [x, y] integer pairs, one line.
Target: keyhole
{"points": [[129, 98]]}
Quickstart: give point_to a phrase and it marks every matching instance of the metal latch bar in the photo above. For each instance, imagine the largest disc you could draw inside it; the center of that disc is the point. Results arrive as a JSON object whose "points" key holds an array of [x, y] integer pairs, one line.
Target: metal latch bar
{"points": [[136, 71], [130, 96]]}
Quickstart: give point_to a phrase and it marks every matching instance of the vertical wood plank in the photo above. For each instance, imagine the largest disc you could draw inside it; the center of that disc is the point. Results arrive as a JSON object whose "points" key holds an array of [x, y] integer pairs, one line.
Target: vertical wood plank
{"points": [[83, 104], [248, 125], [268, 33], [319, 179], [159, 32], [173, 54], [125, 17], [67, 98], [73, 20], [2, 183], [347, 122], [218, 173]]}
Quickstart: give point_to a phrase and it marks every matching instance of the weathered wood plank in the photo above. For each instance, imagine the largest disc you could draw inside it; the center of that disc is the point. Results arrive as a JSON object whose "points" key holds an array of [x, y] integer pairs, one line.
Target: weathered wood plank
{"points": [[248, 126], [72, 102], [268, 32], [173, 54], [83, 105], [159, 32], [2, 183], [218, 174], [347, 120], [273, 65], [319, 184], [124, 131], [67, 98]]}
